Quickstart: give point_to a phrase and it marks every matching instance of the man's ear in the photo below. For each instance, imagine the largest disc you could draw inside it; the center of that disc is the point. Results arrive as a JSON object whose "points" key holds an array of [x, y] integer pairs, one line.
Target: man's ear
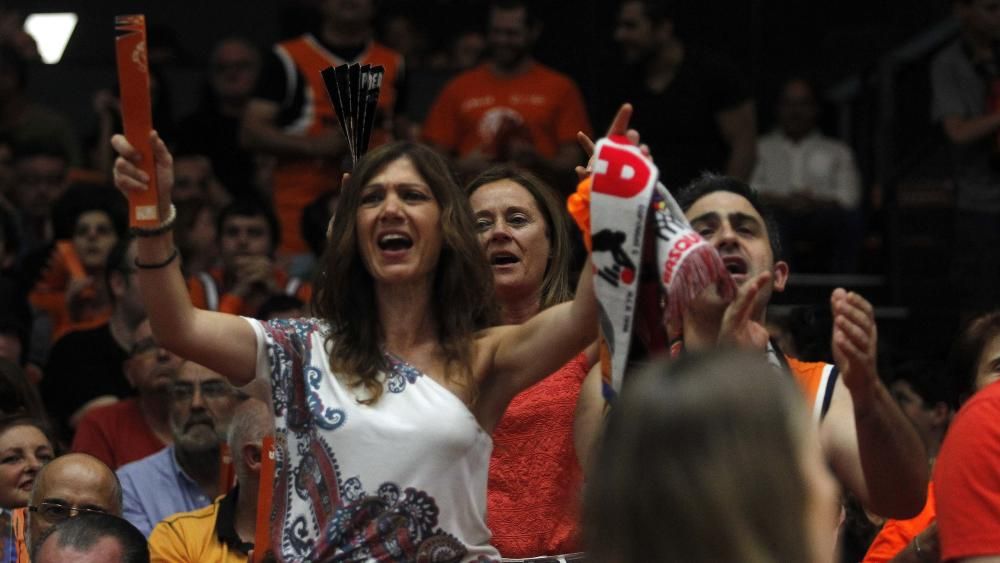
{"points": [[780, 273], [250, 455]]}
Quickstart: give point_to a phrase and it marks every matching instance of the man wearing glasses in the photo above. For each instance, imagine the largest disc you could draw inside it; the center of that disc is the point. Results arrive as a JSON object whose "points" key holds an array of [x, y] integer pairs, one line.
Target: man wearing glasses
{"points": [[70, 485], [184, 476]]}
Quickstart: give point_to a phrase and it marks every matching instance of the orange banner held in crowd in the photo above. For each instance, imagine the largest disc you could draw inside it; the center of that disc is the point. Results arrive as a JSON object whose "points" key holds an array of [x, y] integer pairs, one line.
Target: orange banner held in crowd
{"points": [[137, 114], [265, 494]]}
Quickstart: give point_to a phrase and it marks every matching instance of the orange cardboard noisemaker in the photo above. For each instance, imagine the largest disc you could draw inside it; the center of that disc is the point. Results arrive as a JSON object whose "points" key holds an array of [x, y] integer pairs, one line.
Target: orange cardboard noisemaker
{"points": [[137, 117]]}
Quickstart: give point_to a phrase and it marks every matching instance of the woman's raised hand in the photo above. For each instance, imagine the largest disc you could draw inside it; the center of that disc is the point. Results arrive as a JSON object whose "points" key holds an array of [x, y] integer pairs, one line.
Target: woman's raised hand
{"points": [[129, 177], [619, 126]]}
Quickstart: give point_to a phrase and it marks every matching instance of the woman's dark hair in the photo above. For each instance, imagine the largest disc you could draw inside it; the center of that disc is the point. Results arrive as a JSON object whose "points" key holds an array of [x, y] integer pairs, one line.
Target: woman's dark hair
{"points": [[8, 421], [18, 396], [556, 282], [965, 355], [701, 461], [462, 300], [81, 198]]}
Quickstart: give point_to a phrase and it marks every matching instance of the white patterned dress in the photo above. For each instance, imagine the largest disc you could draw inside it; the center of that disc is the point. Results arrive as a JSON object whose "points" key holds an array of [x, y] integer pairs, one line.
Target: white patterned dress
{"points": [[401, 480]]}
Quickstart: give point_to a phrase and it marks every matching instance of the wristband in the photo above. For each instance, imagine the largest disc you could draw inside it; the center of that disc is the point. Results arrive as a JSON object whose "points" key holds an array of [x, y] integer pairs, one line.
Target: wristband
{"points": [[166, 225], [156, 265]]}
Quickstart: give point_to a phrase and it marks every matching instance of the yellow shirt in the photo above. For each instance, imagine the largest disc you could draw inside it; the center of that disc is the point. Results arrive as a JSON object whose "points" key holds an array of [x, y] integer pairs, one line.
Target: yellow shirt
{"points": [[197, 536]]}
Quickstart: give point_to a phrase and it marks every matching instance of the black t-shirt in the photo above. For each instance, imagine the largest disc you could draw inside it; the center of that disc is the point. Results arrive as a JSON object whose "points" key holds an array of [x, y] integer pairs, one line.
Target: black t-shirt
{"points": [[680, 123], [82, 366]]}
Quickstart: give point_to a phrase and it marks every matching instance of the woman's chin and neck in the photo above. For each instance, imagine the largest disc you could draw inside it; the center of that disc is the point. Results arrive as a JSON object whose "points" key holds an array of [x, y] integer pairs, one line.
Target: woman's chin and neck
{"points": [[518, 303]]}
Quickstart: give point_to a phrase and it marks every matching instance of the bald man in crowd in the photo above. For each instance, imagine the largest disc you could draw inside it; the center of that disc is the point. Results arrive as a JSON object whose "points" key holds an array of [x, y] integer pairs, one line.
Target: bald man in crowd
{"points": [[70, 485]]}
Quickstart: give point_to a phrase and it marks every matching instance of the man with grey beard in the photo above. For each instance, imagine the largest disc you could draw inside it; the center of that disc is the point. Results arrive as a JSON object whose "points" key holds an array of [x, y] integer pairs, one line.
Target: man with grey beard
{"points": [[184, 476]]}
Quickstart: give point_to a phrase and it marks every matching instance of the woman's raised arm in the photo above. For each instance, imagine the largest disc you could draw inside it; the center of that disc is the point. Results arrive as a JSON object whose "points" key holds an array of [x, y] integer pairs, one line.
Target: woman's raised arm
{"points": [[224, 343]]}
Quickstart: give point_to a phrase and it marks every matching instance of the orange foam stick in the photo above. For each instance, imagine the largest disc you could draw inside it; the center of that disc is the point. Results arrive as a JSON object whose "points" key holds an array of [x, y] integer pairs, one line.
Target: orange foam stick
{"points": [[71, 260], [265, 495], [137, 114]]}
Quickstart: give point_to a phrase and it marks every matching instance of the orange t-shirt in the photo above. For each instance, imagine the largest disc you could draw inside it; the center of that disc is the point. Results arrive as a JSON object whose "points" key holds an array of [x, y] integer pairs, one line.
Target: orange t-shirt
{"points": [[897, 534], [471, 109]]}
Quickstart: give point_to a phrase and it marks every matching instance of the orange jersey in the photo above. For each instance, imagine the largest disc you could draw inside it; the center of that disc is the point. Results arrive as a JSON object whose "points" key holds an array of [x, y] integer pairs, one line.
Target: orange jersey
{"points": [[206, 292], [478, 105], [299, 181], [817, 381], [897, 534]]}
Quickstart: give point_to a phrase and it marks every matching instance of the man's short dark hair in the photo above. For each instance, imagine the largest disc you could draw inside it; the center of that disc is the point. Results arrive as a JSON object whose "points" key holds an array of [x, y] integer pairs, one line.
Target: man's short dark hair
{"points": [[82, 532], [710, 183], [251, 207]]}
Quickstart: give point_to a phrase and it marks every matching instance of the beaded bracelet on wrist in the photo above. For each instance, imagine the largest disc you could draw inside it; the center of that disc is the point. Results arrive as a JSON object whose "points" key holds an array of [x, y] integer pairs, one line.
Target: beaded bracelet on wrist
{"points": [[157, 265], [166, 225]]}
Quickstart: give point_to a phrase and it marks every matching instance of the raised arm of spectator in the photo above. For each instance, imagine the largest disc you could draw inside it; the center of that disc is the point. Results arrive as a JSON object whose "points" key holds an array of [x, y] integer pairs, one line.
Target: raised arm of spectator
{"points": [[738, 126], [872, 447], [965, 130], [259, 132], [224, 343]]}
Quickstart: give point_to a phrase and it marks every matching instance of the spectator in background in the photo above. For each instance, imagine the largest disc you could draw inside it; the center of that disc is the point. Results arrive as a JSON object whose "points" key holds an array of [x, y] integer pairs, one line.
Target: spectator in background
{"points": [[693, 109], [710, 458], [85, 368], [214, 128], [185, 475], [25, 447], [195, 179], [920, 389], [248, 238], [964, 78], [40, 178], [510, 109], [139, 426], [812, 183], [92, 537], [965, 476], [26, 122], [222, 532], [68, 486], [71, 291], [290, 115]]}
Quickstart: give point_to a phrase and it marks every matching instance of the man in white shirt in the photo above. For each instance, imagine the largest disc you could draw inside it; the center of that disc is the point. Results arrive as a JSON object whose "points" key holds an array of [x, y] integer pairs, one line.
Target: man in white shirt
{"points": [[812, 182]]}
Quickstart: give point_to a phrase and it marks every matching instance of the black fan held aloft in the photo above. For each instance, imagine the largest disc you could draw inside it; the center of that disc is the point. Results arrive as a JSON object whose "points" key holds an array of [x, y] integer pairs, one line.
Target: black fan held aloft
{"points": [[353, 90]]}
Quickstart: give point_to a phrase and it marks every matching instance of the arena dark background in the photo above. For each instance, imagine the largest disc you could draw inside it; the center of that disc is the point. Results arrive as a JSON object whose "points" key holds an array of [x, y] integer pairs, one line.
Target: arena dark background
{"points": [[869, 57]]}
